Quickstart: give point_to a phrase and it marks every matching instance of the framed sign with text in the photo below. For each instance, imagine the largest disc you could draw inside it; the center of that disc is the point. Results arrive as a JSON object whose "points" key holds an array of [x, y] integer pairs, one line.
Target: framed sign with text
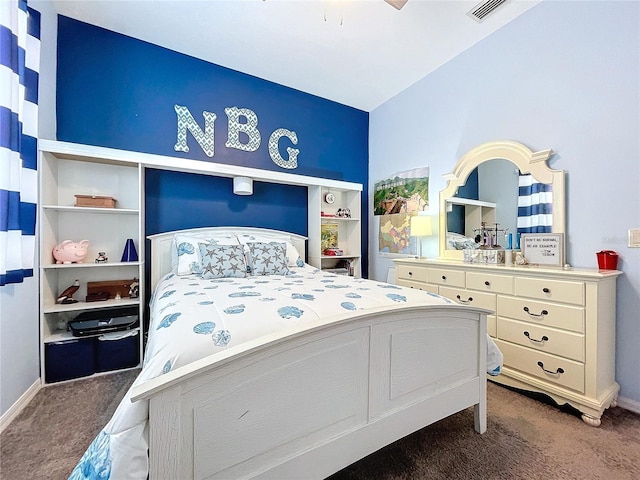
{"points": [[543, 248]]}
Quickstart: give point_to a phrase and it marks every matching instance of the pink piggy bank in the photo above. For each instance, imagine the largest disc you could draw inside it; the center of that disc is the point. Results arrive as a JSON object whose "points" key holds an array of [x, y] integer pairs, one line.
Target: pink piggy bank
{"points": [[71, 252]]}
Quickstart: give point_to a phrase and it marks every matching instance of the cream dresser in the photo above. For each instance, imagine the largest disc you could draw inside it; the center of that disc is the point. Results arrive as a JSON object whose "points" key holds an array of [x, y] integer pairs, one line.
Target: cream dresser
{"points": [[555, 327]]}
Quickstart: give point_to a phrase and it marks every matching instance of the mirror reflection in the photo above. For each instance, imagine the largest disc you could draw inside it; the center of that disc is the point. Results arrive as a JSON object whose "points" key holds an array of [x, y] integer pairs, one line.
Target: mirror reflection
{"points": [[489, 195]]}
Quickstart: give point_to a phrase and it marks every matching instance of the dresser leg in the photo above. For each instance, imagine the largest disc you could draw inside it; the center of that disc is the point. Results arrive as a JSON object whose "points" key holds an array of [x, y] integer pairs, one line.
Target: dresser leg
{"points": [[591, 421]]}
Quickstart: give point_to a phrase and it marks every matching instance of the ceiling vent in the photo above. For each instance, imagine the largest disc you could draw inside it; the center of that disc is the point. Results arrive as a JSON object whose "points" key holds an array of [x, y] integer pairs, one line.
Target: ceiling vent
{"points": [[481, 10]]}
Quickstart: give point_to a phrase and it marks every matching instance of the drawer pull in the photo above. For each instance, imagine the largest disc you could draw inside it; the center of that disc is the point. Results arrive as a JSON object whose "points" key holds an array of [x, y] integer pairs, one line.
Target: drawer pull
{"points": [[468, 300], [444, 277], [487, 283], [410, 273], [542, 340], [546, 290], [536, 315], [558, 371]]}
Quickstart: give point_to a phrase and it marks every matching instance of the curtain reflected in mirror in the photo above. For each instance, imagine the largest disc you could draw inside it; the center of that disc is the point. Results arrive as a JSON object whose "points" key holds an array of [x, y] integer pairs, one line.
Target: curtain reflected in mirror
{"points": [[535, 206]]}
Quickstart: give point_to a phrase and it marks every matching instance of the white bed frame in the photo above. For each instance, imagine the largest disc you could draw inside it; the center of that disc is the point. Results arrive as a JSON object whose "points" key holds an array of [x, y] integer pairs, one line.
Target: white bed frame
{"points": [[306, 403]]}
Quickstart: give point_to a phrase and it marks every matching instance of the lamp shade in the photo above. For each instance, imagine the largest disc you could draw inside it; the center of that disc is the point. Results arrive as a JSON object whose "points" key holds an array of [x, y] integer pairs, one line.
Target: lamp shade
{"points": [[421, 226], [242, 185]]}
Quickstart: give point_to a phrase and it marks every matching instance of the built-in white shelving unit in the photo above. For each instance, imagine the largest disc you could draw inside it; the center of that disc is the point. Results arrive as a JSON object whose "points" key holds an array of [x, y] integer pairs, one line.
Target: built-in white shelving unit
{"points": [[69, 169], [323, 213], [65, 171]]}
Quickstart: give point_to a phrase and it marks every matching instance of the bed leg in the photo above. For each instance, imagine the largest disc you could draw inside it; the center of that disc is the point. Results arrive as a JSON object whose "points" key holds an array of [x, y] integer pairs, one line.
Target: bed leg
{"points": [[480, 417]]}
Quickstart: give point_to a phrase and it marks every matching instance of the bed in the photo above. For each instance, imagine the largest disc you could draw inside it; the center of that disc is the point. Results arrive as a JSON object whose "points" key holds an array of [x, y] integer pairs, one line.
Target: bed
{"points": [[286, 371], [457, 241]]}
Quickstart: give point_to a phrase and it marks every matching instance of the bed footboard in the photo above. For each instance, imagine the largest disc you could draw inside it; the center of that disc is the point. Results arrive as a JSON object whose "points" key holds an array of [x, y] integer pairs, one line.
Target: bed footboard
{"points": [[311, 402]]}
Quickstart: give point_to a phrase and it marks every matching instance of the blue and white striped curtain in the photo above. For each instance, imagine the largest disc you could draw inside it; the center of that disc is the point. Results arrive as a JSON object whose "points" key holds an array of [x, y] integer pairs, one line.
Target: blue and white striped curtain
{"points": [[19, 67], [534, 206]]}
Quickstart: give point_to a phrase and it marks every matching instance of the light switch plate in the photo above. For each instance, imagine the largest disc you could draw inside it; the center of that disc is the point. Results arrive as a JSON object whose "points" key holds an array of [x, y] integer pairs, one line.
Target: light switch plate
{"points": [[634, 237]]}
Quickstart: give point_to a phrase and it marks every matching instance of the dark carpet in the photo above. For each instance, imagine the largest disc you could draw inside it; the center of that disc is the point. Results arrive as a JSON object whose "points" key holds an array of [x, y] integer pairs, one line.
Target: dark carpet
{"points": [[525, 439]]}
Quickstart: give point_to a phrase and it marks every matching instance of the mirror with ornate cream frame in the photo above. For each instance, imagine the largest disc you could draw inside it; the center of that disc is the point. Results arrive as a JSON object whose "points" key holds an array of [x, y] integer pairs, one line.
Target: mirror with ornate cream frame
{"points": [[524, 159]]}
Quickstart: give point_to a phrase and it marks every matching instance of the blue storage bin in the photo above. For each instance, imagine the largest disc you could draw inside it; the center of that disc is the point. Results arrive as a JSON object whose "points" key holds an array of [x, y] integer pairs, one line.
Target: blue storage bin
{"points": [[117, 350], [69, 359]]}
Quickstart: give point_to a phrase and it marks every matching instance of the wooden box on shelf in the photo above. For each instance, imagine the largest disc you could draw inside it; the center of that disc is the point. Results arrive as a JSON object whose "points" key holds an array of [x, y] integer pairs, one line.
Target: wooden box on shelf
{"points": [[112, 288], [95, 201]]}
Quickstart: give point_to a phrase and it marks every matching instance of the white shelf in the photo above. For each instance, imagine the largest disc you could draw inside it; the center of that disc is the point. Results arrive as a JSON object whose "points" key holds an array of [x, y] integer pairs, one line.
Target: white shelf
{"points": [[469, 201], [92, 210], [67, 170], [326, 219], [78, 306], [62, 335], [54, 266], [111, 156]]}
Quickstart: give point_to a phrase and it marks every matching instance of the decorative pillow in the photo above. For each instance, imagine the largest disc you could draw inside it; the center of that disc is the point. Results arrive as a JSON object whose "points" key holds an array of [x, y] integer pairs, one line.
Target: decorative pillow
{"points": [[268, 258], [293, 257], [188, 259], [222, 261]]}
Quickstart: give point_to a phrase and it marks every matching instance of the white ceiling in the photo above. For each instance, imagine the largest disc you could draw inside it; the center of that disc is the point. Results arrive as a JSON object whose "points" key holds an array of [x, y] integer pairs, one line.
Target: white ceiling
{"points": [[359, 53]]}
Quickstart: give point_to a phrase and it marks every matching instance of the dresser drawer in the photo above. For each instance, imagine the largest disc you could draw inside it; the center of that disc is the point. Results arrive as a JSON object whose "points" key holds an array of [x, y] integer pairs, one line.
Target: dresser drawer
{"points": [[545, 314], [427, 287], [411, 272], [443, 276], [549, 340], [552, 290], [488, 282], [553, 369], [467, 297]]}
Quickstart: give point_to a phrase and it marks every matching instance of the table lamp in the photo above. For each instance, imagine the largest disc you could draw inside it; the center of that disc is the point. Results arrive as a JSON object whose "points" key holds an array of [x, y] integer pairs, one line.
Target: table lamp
{"points": [[420, 227]]}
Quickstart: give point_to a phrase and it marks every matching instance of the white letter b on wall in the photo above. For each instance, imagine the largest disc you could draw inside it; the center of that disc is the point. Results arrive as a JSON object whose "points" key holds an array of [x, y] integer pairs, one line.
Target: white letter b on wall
{"points": [[235, 127]]}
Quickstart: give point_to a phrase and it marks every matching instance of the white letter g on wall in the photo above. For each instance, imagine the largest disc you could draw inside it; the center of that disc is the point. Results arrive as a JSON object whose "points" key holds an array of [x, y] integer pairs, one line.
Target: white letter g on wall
{"points": [[274, 152]]}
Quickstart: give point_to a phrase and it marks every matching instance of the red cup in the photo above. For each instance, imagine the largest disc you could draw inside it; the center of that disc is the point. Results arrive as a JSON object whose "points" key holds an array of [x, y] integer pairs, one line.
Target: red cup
{"points": [[607, 260]]}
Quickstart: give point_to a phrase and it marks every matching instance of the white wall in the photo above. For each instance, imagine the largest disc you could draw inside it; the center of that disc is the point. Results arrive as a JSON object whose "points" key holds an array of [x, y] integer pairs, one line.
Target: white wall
{"points": [[19, 346], [19, 324], [564, 75]]}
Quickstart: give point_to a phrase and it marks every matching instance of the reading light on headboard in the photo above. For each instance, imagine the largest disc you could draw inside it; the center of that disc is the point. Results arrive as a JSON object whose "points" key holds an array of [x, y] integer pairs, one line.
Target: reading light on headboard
{"points": [[242, 185]]}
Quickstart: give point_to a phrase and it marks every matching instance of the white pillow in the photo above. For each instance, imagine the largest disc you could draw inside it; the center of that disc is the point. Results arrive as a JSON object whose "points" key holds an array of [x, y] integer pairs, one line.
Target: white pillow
{"points": [[293, 257], [187, 252]]}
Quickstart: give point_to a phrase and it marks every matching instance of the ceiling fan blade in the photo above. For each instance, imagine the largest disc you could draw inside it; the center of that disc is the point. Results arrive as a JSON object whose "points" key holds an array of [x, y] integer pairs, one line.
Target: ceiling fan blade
{"points": [[397, 4]]}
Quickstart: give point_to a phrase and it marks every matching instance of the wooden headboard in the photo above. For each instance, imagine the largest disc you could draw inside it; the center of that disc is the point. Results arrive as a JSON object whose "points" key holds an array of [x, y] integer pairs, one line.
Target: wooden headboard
{"points": [[162, 244]]}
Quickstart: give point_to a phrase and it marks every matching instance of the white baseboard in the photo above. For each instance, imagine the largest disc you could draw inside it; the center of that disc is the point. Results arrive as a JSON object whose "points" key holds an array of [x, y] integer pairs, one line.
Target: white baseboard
{"points": [[17, 407], [628, 404]]}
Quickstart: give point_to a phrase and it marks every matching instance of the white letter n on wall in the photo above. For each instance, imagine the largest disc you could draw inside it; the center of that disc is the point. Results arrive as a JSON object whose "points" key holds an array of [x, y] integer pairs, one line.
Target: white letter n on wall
{"points": [[187, 122]]}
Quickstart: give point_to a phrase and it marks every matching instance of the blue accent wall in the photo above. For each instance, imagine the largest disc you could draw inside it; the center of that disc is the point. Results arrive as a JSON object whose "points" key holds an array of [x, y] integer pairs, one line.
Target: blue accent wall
{"points": [[284, 205], [119, 92]]}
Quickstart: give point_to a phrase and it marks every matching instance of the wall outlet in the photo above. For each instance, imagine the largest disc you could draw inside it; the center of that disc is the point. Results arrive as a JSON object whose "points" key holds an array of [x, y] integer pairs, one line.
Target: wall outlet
{"points": [[634, 237]]}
